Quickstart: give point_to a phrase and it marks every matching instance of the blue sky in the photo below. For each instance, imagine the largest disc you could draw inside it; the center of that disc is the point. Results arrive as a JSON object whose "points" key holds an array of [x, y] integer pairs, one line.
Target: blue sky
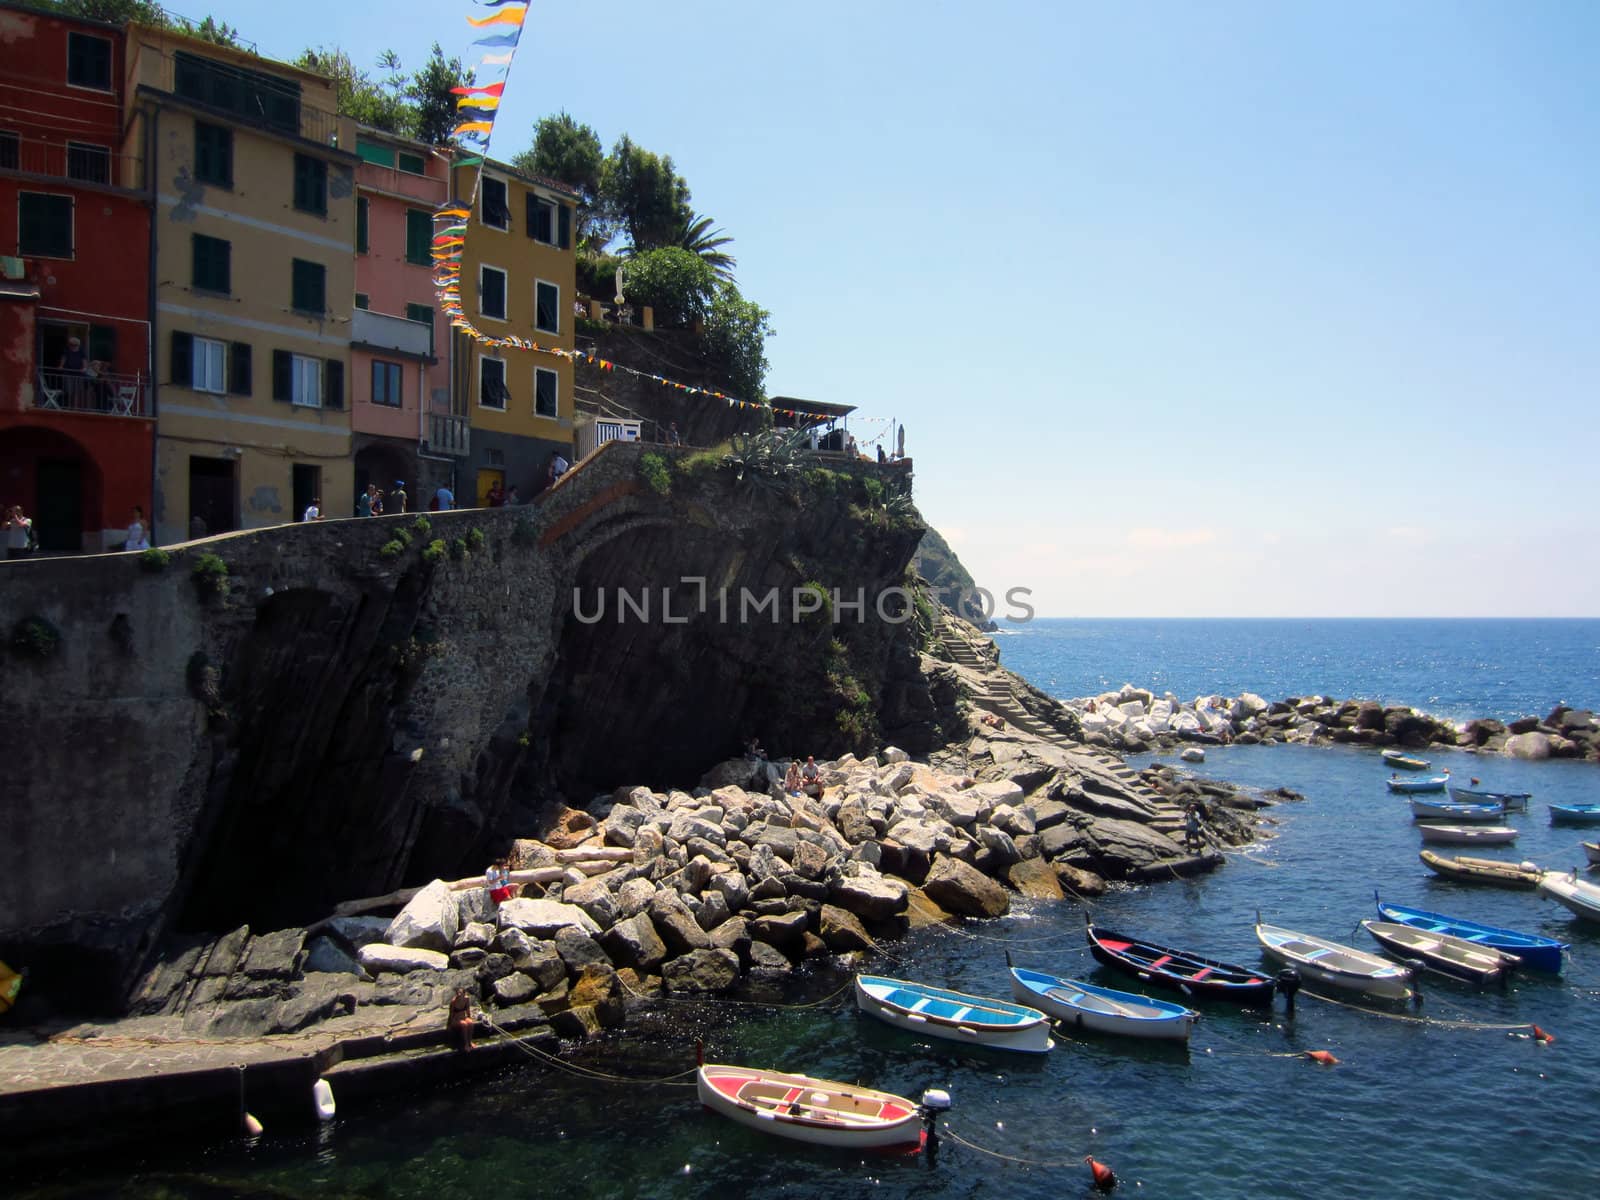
{"points": [[1236, 309]]}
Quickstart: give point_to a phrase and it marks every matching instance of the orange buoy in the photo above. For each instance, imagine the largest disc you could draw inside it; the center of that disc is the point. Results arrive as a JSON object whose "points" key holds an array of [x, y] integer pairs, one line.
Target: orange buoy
{"points": [[1542, 1037], [1104, 1177], [1322, 1057]]}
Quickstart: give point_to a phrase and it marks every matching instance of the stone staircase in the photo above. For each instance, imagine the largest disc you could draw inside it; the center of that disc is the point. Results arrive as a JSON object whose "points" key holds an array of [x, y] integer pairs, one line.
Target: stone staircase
{"points": [[991, 691]]}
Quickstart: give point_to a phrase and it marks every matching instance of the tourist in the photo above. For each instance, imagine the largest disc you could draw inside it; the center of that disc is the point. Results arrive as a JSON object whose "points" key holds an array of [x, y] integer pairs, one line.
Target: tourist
{"points": [[19, 533], [674, 438], [138, 536], [313, 510], [497, 495], [74, 368], [850, 447], [1192, 837], [377, 501], [443, 498], [461, 1022], [754, 749], [558, 467], [811, 778], [882, 457], [364, 503], [398, 497], [791, 778], [512, 498], [497, 879]]}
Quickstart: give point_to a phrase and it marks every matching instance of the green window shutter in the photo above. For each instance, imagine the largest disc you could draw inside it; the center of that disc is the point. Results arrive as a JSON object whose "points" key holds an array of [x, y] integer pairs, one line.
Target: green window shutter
{"points": [[412, 164], [373, 152], [239, 374], [363, 301], [212, 263], [308, 287], [181, 365], [564, 220], [419, 237], [310, 184], [361, 225], [333, 384], [282, 375]]}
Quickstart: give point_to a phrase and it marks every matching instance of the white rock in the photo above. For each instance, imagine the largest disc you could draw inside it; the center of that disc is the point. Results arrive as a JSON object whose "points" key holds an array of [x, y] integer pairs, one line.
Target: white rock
{"points": [[893, 754], [960, 808], [379, 956], [543, 917], [1001, 791], [429, 921]]}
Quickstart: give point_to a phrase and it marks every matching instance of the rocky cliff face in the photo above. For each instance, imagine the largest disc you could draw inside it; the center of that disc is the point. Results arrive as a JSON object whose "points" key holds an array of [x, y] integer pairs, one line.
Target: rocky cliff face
{"points": [[359, 705]]}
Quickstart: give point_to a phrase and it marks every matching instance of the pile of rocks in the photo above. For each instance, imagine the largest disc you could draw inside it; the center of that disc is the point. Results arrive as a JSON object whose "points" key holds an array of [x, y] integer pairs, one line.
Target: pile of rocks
{"points": [[1134, 720]]}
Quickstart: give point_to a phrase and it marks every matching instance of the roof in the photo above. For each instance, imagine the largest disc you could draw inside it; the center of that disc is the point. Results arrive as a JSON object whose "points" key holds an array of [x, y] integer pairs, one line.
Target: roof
{"points": [[555, 185], [820, 408], [53, 14]]}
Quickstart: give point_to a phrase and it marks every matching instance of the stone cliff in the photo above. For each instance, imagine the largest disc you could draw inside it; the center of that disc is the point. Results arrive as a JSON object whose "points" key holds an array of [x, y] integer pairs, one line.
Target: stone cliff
{"points": [[266, 723]]}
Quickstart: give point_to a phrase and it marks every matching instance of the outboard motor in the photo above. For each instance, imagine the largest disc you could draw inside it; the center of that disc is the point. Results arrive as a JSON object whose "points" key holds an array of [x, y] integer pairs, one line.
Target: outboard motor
{"points": [[1288, 982], [934, 1102]]}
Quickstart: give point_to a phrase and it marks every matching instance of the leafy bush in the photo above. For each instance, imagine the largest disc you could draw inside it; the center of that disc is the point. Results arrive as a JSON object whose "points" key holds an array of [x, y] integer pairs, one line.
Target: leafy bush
{"points": [[36, 638], [392, 549], [524, 740], [874, 490], [434, 551], [402, 535], [458, 548], [154, 560], [736, 337], [597, 276], [476, 539], [677, 283], [653, 470], [826, 611], [422, 526], [211, 574]]}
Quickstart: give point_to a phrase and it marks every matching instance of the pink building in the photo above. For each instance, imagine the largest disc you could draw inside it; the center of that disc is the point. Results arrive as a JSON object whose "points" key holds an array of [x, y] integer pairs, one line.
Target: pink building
{"points": [[401, 416]]}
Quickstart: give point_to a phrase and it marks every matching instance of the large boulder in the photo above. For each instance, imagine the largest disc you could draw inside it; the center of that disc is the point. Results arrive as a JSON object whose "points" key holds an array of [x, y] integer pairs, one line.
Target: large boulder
{"points": [[869, 895], [633, 942], [595, 898], [1034, 878], [959, 888], [380, 956], [428, 922], [1528, 745], [515, 988], [543, 917], [841, 930], [675, 924], [578, 950], [786, 931], [705, 971]]}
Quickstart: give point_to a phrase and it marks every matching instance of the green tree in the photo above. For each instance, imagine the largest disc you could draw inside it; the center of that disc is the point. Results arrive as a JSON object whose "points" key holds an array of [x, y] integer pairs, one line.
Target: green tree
{"points": [[736, 336], [644, 194], [213, 30], [381, 105], [433, 108], [697, 237], [570, 153], [677, 284], [113, 12]]}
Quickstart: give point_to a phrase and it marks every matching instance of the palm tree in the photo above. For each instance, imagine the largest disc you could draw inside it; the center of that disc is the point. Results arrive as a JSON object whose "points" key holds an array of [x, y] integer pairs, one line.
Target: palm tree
{"points": [[699, 238]]}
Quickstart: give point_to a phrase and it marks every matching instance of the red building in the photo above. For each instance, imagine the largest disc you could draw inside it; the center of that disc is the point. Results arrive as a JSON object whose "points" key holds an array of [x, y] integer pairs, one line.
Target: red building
{"points": [[76, 428]]}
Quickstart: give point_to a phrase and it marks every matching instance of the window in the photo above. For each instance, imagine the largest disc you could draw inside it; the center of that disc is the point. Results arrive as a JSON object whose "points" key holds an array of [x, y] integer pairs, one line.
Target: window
{"points": [[386, 382], [374, 152], [361, 224], [546, 307], [496, 212], [91, 164], [310, 287], [213, 154], [492, 383], [239, 375], [419, 237], [492, 292], [363, 301], [199, 363], [251, 96], [212, 259], [423, 314], [89, 61], [412, 164], [10, 150], [545, 391], [307, 382], [44, 225], [541, 220], [310, 184]]}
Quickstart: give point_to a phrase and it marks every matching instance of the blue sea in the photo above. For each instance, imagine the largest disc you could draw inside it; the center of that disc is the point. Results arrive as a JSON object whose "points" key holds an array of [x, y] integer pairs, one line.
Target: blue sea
{"points": [[1462, 1102]]}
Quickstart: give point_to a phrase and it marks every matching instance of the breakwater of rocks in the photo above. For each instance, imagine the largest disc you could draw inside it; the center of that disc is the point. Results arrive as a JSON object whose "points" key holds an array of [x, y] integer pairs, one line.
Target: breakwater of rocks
{"points": [[1133, 720]]}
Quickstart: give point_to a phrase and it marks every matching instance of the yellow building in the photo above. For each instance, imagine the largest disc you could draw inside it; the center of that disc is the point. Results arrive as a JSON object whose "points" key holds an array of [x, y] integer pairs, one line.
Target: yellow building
{"points": [[253, 235], [518, 277]]}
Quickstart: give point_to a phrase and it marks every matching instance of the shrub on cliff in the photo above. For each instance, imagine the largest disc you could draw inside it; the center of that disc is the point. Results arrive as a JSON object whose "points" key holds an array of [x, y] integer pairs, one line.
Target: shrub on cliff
{"points": [[653, 470], [35, 637], [392, 549], [210, 575], [434, 551], [154, 560]]}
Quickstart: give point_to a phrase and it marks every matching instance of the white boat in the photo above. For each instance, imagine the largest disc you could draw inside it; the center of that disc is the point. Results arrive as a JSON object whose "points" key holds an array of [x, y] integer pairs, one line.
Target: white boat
{"points": [[818, 1111], [1467, 835], [1448, 810], [1450, 955], [938, 1012], [1192, 754], [1102, 1010], [1592, 849], [1321, 961], [1564, 887]]}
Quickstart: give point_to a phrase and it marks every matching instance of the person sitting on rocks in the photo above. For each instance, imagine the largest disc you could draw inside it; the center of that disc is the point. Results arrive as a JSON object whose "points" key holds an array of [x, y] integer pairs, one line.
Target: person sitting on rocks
{"points": [[811, 778], [791, 778], [497, 879], [753, 749], [461, 1021]]}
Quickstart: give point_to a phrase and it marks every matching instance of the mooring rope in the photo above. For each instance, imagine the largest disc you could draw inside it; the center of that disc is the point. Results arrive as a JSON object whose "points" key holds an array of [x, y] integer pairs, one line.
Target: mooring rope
{"points": [[699, 999], [1437, 1022], [1026, 1162], [677, 1080]]}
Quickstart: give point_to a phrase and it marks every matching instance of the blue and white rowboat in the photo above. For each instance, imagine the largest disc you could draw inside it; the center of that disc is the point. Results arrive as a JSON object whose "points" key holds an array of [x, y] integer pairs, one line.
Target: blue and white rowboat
{"points": [[1444, 810], [1101, 1009], [1575, 814], [1513, 801], [1434, 783], [1535, 950], [938, 1012]]}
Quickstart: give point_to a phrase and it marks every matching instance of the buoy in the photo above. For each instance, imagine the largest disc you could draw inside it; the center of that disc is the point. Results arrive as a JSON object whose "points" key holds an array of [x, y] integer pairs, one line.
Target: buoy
{"points": [[1543, 1038], [1322, 1057], [1104, 1177], [252, 1127], [322, 1099]]}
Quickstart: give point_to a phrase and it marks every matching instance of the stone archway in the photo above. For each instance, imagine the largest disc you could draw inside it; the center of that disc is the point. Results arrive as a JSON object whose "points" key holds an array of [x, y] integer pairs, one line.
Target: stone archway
{"points": [[56, 480]]}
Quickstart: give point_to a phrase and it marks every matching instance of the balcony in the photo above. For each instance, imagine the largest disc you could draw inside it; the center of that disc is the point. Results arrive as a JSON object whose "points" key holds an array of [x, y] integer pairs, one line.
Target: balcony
{"points": [[250, 97], [379, 331], [103, 395], [449, 435], [80, 163]]}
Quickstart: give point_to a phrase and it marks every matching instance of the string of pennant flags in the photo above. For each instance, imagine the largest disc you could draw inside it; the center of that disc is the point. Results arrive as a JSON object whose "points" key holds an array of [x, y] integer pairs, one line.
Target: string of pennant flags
{"points": [[477, 105]]}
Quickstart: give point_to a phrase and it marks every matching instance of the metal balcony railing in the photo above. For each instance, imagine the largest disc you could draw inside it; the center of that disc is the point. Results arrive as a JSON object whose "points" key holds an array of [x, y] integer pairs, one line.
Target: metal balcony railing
{"points": [[81, 162], [107, 394]]}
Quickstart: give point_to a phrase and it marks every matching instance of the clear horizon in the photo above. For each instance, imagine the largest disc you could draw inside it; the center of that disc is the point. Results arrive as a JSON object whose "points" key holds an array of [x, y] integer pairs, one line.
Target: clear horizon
{"points": [[1249, 308]]}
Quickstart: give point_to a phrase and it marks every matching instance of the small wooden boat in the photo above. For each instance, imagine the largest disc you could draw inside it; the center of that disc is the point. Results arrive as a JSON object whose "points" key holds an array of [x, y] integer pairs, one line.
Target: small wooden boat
{"points": [[1534, 950], [1444, 810], [1592, 849], [1482, 870], [1339, 966], [1192, 754], [1510, 801], [1102, 1010], [818, 1111], [1178, 969], [1407, 787], [1575, 814], [938, 1012], [1400, 760], [1467, 835], [1581, 896], [1448, 955]]}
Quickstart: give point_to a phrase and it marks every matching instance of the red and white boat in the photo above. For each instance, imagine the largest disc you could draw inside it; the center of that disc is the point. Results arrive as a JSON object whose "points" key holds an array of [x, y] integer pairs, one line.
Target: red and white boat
{"points": [[818, 1111]]}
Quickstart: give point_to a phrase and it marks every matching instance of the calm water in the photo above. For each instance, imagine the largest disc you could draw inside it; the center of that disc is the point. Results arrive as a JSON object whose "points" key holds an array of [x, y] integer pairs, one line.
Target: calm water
{"points": [[1238, 1114], [1456, 669]]}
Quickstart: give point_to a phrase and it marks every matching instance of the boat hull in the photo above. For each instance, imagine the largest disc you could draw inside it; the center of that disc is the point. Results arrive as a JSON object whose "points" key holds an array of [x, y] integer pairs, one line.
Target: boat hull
{"points": [[1467, 835], [1533, 950], [1575, 814], [1333, 965], [1481, 870], [1592, 849], [1510, 801], [1404, 762], [954, 1016], [1409, 787], [817, 1111], [1448, 955], [1445, 810], [1102, 1010], [1162, 966], [1579, 895]]}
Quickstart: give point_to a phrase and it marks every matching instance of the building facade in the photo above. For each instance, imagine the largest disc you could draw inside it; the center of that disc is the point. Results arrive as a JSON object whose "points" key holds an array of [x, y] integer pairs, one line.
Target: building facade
{"points": [[404, 422], [253, 248], [76, 432], [518, 277]]}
